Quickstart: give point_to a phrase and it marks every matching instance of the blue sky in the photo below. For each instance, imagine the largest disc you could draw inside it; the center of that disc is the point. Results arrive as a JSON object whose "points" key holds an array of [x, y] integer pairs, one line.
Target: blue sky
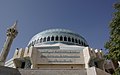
{"points": [[89, 18]]}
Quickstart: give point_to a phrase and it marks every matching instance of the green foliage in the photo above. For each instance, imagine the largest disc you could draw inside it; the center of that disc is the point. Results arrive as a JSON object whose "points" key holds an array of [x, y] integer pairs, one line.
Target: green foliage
{"points": [[113, 45], [117, 72]]}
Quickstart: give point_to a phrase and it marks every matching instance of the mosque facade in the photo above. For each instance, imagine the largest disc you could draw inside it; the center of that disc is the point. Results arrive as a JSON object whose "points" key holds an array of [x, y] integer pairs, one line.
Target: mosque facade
{"points": [[60, 52]]}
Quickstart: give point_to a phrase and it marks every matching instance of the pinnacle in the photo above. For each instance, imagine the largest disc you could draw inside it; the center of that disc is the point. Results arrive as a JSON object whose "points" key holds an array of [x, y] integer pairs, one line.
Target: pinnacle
{"points": [[14, 25]]}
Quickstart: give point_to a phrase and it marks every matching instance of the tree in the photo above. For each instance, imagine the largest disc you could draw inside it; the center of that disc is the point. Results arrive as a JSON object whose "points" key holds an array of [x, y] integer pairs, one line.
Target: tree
{"points": [[113, 44], [117, 71]]}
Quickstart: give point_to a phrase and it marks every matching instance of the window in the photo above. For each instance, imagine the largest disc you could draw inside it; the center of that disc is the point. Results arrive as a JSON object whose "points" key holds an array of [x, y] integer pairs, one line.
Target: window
{"points": [[35, 42], [76, 41], [65, 38], [52, 38], [56, 38], [32, 43], [40, 40], [96, 64], [44, 40], [79, 42], [72, 39], [69, 39], [48, 38], [61, 38], [22, 64]]}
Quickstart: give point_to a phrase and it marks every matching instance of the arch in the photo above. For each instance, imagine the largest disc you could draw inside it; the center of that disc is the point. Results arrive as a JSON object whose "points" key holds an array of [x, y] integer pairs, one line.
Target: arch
{"points": [[82, 42], [44, 40], [48, 38], [37, 40], [76, 41], [65, 38], [72, 39], [41, 40], [69, 39], [79, 42], [56, 38], [61, 38], [52, 38], [32, 43]]}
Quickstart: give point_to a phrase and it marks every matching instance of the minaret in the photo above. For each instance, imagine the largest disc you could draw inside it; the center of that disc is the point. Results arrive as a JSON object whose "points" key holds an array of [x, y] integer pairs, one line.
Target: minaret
{"points": [[11, 34]]}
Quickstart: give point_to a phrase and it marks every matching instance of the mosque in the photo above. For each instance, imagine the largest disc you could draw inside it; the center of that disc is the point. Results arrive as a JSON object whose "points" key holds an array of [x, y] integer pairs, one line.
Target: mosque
{"points": [[59, 52]]}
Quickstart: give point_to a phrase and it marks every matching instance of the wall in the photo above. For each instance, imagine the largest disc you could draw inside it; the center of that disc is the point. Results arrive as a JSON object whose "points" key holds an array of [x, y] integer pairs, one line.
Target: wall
{"points": [[60, 66], [52, 72], [96, 71]]}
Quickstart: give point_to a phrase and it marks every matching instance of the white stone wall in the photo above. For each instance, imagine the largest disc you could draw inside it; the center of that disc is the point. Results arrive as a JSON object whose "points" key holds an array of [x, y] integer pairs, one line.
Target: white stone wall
{"points": [[89, 71], [96, 71], [52, 72], [58, 56]]}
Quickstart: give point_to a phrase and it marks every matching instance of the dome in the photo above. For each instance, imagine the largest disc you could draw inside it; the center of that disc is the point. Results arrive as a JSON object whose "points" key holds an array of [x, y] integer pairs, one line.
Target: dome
{"points": [[53, 36]]}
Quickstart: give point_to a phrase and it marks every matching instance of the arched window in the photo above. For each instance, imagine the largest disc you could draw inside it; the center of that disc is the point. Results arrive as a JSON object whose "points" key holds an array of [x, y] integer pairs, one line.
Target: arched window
{"points": [[40, 40], [79, 42], [56, 38], [82, 42], [37, 40], [69, 39], [32, 43], [72, 39], [65, 38], [52, 38], [76, 41], [48, 38], [44, 40], [61, 38]]}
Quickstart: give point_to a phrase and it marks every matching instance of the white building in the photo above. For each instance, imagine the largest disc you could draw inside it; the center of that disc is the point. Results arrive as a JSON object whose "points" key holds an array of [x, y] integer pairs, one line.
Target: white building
{"points": [[59, 52]]}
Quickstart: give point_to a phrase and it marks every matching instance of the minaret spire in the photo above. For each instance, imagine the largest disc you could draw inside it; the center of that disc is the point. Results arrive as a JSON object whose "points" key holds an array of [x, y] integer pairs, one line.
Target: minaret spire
{"points": [[14, 25], [11, 34]]}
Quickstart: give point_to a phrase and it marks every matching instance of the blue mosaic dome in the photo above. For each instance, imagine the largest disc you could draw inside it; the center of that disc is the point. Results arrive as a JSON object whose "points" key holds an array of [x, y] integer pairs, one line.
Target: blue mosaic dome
{"points": [[53, 36]]}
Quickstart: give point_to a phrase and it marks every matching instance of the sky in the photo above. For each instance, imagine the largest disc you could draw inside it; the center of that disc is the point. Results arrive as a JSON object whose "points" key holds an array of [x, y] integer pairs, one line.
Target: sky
{"points": [[89, 18]]}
